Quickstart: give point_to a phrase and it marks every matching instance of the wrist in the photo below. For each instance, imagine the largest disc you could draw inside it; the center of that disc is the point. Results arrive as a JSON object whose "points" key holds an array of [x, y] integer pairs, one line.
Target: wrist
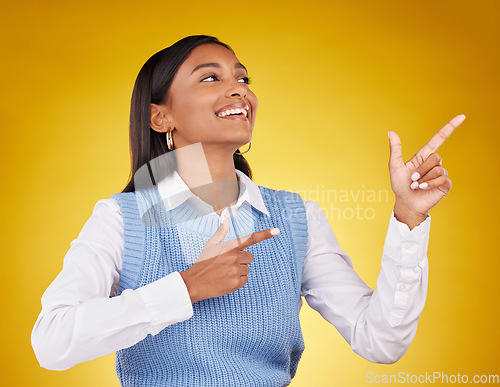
{"points": [[189, 286], [405, 214]]}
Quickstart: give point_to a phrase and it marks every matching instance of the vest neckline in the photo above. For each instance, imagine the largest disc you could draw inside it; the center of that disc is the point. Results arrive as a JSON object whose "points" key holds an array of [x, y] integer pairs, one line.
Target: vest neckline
{"points": [[242, 220]]}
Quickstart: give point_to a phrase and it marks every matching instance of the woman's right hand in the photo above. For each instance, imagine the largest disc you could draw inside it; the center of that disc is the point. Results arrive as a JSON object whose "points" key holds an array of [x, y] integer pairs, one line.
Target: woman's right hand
{"points": [[222, 268]]}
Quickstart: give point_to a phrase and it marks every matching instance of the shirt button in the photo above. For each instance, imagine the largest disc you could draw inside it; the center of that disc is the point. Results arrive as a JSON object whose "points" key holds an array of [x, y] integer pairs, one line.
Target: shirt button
{"points": [[402, 287], [407, 245]]}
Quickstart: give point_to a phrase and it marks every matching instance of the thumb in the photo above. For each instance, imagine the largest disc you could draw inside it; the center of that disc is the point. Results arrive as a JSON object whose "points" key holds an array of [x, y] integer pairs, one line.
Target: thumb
{"points": [[396, 157], [220, 233]]}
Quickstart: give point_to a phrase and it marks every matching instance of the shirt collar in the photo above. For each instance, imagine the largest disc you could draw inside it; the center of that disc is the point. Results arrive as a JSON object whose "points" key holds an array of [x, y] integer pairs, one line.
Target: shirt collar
{"points": [[174, 192]]}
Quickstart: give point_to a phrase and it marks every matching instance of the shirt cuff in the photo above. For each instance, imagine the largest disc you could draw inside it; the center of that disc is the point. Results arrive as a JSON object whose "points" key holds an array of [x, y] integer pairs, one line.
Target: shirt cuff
{"points": [[413, 243], [417, 230], [166, 301], [407, 249]]}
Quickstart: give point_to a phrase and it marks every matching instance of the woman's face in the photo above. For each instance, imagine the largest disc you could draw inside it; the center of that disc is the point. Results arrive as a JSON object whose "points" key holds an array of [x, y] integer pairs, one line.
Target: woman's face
{"points": [[209, 100]]}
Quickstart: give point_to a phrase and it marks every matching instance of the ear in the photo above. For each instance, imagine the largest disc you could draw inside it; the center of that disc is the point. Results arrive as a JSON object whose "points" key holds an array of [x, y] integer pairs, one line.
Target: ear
{"points": [[157, 118]]}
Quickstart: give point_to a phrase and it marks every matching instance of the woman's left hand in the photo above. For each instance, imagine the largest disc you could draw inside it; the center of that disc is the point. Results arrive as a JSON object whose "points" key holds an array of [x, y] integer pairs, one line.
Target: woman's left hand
{"points": [[422, 182]]}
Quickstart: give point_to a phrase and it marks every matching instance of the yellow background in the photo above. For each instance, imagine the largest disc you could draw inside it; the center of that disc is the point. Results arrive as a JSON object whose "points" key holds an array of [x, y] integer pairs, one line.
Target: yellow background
{"points": [[332, 78]]}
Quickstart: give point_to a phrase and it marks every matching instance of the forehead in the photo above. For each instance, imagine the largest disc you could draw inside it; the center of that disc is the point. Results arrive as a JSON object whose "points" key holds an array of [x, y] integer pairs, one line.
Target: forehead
{"points": [[208, 53]]}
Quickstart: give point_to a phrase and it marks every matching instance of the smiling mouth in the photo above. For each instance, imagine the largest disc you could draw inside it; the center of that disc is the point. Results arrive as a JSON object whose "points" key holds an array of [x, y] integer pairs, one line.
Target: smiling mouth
{"points": [[233, 113]]}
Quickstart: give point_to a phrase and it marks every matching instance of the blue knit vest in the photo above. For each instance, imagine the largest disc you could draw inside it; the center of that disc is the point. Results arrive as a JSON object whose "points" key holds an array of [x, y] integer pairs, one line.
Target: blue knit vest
{"points": [[250, 337]]}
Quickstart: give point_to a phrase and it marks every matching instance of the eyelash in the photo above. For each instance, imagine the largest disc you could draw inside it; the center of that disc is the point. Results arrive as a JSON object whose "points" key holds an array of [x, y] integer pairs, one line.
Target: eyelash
{"points": [[247, 80]]}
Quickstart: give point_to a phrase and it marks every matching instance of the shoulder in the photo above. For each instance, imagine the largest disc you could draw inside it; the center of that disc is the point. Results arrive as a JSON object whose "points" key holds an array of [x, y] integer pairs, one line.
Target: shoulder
{"points": [[103, 230], [106, 219], [313, 210], [109, 206], [106, 215], [120, 198], [111, 203]]}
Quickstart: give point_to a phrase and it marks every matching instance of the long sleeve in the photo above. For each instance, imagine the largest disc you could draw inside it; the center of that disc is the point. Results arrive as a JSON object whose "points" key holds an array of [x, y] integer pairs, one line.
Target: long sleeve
{"points": [[378, 324], [82, 316]]}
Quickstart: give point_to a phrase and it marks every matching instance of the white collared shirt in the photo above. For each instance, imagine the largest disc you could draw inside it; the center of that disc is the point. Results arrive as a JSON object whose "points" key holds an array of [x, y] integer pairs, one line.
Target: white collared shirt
{"points": [[83, 317]]}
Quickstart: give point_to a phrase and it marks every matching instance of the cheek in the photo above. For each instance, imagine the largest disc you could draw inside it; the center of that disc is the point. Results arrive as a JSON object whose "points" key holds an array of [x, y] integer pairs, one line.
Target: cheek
{"points": [[191, 120], [189, 107], [193, 112], [253, 100]]}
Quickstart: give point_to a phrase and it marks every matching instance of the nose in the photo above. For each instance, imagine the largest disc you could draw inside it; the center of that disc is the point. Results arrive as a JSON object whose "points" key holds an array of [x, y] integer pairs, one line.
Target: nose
{"points": [[237, 89]]}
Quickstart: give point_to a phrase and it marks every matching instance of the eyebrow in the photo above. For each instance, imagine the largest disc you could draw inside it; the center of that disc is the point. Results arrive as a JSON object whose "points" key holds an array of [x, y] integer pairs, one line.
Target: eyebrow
{"points": [[236, 66]]}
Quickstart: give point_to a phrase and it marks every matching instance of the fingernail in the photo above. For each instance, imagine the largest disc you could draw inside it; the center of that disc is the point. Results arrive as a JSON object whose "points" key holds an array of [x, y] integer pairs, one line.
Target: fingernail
{"points": [[275, 231], [415, 176], [423, 185], [463, 115], [414, 185]]}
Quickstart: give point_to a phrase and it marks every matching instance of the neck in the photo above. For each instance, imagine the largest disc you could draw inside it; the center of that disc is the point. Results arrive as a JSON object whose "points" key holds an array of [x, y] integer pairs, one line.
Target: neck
{"points": [[210, 174]]}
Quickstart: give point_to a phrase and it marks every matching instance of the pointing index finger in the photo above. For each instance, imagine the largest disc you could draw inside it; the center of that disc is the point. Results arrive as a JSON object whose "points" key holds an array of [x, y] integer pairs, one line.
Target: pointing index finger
{"points": [[250, 239], [437, 140]]}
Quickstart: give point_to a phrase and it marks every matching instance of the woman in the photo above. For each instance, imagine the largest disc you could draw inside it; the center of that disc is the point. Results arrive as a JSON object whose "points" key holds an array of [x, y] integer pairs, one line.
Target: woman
{"points": [[194, 274]]}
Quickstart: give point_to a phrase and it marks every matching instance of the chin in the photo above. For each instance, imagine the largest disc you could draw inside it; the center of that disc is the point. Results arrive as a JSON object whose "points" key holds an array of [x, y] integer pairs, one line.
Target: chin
{"points": [[239, 139]]}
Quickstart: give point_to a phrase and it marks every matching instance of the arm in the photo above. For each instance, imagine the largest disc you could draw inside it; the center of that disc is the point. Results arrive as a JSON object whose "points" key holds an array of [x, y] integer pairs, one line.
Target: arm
{"points": [[82, 317], [378, 324]]}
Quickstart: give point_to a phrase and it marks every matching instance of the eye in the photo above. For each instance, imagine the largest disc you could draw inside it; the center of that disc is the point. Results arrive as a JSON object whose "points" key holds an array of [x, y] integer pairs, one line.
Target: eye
{"points": [[244, 80], [213, 77], [210, 78]]}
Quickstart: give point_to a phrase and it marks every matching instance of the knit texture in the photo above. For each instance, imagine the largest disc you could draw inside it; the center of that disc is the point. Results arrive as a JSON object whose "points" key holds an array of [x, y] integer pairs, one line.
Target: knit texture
{"points": [[250, 337]]}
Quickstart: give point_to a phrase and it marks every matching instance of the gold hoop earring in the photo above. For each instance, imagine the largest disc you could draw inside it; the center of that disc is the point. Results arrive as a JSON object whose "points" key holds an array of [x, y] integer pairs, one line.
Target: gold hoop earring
{"points": [[170, 140], [249, 146]]}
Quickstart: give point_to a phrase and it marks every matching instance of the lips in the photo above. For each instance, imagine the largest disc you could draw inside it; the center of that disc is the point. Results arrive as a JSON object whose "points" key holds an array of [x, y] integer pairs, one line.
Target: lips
{"points": [[234, 111]]}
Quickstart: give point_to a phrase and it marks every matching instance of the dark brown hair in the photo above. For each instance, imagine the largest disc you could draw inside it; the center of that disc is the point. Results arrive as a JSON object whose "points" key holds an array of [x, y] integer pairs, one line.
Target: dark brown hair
{"points": [[152, 86]]}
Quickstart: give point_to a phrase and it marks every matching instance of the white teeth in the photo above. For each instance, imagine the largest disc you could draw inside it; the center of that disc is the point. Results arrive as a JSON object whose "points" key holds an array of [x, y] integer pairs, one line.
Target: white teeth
{"points": [[228, 112]]}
